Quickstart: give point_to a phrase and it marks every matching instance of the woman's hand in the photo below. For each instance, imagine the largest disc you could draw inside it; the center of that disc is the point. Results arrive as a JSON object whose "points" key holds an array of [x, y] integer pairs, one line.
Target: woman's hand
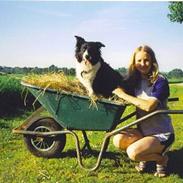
{"points": [[146, 105]]}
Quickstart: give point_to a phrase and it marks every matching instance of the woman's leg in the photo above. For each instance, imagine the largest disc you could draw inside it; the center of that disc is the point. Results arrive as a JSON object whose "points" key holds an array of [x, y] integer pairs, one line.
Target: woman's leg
{"points": [[126, 137], [147, 149]]}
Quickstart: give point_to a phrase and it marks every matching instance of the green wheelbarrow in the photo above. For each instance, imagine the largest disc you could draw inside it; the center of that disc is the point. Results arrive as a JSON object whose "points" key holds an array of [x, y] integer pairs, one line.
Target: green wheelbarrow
{"points": [[46, 136]]}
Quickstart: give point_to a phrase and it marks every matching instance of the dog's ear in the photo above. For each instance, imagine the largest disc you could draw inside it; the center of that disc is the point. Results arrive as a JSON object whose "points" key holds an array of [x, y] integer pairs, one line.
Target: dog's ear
{"points": [[99, 44], [79, 41]]}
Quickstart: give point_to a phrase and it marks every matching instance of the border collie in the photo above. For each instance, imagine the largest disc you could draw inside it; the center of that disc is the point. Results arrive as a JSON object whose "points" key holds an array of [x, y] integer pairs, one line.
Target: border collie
{"points": [[91, 70]]}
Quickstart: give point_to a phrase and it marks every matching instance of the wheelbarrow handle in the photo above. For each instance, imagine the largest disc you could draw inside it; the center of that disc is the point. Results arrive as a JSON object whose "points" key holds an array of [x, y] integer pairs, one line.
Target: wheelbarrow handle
{"points": [[114, 132], [173, 99]]}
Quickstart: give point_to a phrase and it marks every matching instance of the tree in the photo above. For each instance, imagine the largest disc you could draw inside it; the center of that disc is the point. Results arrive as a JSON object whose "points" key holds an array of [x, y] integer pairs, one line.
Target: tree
{"points": [[176, 11], [175, 73], [122, 70], [72, 71], [53, 68]]}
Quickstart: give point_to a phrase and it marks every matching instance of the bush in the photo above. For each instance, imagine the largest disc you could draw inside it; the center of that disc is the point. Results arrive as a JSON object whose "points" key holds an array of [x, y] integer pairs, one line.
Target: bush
{"points": [[12, 96]]}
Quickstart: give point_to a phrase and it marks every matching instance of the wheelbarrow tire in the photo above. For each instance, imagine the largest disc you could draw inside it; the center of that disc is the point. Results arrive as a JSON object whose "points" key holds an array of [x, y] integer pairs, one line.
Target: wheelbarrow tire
{"points": [[47, 147]]}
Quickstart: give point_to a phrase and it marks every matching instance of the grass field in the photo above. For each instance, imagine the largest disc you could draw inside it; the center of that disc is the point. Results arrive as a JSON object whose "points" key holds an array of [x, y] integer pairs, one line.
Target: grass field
{"points": [[17, 165]]}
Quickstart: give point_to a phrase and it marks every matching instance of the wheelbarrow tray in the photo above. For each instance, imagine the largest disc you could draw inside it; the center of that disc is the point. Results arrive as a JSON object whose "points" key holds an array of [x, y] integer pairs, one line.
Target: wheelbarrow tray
{"points": [[74, 112]]}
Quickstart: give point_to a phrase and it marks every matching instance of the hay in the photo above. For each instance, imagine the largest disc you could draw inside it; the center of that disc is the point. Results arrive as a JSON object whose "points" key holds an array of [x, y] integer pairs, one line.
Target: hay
{"points": [[60, 82], [56, 81]]}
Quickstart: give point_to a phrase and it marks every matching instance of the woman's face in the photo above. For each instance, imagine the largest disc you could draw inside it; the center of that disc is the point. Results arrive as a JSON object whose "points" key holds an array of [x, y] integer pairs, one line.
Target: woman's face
{"points": [[143, 62]]}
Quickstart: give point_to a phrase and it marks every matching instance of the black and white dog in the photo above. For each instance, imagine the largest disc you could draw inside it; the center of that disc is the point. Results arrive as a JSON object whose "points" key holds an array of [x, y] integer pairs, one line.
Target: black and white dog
{"points": [[91, 70]]}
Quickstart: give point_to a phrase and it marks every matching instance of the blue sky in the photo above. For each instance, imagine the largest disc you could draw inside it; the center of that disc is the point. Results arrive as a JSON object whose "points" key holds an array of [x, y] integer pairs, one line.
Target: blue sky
{"points": [[42, 33]]}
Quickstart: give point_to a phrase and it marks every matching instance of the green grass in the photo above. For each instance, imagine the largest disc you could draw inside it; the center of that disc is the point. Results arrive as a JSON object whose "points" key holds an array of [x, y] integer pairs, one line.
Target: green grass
{"points": [[175, 80], [18, 165]]}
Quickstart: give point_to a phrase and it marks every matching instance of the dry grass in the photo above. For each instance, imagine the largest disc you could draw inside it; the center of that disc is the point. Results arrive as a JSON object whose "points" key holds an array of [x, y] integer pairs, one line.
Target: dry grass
{"points": [[56, 81], [61, 82]]}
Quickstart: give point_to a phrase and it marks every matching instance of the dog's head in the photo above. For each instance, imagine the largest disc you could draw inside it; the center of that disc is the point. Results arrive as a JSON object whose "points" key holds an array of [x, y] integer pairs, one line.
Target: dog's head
{"points": [[88, 51]]}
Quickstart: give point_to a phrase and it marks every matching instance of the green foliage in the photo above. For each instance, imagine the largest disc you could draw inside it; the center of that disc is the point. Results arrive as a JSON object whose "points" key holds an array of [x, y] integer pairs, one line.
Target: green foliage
{"points": [[9, 84], [4, 71], [10, 92], [18, 165], [175, 73], [122, 70], [12, 95], [35, 70], [176, 11]]}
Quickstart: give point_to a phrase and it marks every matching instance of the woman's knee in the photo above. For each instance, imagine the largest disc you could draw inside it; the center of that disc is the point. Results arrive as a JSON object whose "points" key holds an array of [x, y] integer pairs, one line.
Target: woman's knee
{"points": [[125, 138], [133, 153], [122, 140], [117, 140]]}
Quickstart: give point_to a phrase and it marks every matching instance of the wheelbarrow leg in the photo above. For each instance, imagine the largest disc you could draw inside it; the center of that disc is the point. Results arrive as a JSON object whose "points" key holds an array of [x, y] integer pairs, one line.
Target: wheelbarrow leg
{"points": [[106, 144], [87, 143]]}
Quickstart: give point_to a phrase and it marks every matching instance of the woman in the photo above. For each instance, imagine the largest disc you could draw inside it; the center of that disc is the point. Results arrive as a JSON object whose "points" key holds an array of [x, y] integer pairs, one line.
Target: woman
{"points": [[154, 136]]}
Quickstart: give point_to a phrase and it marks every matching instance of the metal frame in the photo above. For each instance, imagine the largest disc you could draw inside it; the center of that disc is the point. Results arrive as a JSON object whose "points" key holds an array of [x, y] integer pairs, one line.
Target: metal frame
{"points": [[107, 136]]}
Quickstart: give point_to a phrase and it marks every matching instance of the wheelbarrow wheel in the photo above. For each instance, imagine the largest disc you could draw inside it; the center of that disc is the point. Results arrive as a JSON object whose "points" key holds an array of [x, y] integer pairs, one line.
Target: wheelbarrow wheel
{"points": [[47, 147]]}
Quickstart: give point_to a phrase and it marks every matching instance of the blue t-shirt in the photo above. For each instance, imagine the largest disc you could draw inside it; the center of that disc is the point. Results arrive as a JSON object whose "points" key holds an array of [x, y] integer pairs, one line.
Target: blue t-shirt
{"points": [[160, 123], [160, 89]]}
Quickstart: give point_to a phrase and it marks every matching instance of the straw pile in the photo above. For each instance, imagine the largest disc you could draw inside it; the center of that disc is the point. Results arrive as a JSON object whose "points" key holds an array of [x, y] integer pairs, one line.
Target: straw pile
{"points": [[61, 82], [56, 81]]}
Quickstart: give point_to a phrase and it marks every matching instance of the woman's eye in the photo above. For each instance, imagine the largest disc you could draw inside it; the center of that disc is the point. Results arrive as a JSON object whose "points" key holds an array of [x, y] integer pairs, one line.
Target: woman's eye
{"points": [[146, 61]]}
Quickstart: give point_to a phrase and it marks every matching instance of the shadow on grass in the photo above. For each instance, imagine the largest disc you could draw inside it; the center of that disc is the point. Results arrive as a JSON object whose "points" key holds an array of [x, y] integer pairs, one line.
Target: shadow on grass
{"points": [[6, 116], [94, 153], [116, 157], [9, 114], [5, 125], [175, 165], [16, 112]]}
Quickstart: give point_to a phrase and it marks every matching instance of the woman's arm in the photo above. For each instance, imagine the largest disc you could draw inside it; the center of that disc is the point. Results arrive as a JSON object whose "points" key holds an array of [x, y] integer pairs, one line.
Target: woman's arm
{"points": [[146, 105]]}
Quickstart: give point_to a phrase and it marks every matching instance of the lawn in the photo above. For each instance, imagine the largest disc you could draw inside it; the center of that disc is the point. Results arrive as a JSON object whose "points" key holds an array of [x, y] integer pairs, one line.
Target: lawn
{"points": [[18, 165]]}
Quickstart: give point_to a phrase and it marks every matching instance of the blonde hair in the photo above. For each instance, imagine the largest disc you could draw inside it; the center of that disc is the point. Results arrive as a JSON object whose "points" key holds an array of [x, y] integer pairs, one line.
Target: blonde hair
{"points": [[154, 71]]}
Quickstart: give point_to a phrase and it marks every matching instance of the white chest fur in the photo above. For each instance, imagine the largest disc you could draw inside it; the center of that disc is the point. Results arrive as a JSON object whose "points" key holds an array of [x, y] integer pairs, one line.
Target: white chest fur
{"points": [[86, 74]]}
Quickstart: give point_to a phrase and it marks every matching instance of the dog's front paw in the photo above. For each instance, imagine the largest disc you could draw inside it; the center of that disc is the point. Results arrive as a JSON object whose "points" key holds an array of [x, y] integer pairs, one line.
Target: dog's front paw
{"points": [[90, 92], [93, 101], [93, 97]]}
